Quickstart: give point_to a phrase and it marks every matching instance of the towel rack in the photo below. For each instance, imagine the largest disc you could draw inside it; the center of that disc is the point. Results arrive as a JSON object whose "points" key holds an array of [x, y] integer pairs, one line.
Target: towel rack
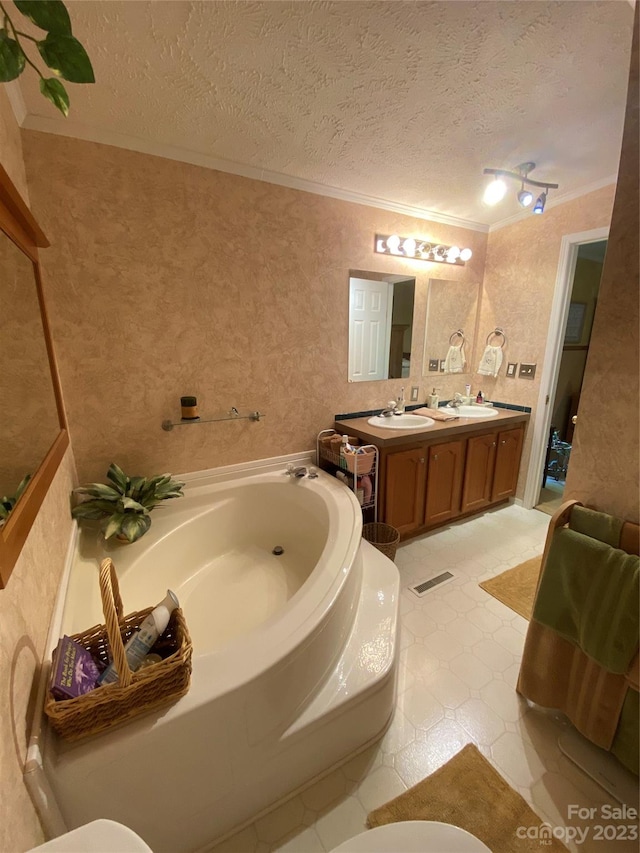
{"points": [[457, 334], [497, 331]]}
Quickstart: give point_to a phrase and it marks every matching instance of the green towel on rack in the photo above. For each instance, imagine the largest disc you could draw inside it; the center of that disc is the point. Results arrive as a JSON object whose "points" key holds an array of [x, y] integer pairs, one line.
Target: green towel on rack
{"points": [[598, 525], [589, 595]]}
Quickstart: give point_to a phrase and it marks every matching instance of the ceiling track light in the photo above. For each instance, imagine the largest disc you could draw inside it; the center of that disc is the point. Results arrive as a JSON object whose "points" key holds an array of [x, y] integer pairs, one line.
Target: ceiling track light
{"points": [[539, 205], [420, 250], [496, 190]]}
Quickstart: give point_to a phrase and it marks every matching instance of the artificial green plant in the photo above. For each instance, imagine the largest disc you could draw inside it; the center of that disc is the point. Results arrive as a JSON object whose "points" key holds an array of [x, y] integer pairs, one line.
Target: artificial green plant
{"points": [[60, 50], [8, 502], [123, 505]]}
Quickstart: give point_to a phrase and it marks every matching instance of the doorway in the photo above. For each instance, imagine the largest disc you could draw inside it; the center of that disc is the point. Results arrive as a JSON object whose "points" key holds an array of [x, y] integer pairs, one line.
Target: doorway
{"points": [[563, 404]]}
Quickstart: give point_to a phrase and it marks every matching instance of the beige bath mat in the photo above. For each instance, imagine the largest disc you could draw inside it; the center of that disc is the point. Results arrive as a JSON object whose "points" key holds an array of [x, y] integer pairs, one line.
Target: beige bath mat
{"points": [[468, 792], [516, 587]]}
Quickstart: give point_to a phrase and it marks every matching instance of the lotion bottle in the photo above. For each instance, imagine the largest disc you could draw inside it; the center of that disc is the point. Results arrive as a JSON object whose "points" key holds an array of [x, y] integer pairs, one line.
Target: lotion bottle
{"points": [[434, 400], [138, 646]]}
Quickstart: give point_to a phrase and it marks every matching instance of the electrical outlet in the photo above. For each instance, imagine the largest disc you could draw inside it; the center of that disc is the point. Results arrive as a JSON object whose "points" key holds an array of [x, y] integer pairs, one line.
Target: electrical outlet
{"points": [[527, 371], [512, 368], [442, 362], [433, 365], [415, 390]]}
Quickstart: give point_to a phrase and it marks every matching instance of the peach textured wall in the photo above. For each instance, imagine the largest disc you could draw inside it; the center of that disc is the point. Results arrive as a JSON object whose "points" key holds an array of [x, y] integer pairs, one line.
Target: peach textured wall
{"points": [[519, 283], [604, 462], [27, 602], [166, 279]]}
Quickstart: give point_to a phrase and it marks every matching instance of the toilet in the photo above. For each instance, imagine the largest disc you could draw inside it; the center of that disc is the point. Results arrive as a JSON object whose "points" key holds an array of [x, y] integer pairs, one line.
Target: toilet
{"points": [[410, 836], [413, 836]]}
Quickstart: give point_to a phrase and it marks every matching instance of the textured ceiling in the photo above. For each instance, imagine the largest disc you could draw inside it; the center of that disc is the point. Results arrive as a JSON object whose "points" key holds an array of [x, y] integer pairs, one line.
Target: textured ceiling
{"points": [[404, 101]]}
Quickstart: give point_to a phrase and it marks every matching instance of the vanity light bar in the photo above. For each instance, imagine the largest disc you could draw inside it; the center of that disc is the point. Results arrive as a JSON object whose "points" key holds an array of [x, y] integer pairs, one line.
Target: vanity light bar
{"points": [[420, 250]]}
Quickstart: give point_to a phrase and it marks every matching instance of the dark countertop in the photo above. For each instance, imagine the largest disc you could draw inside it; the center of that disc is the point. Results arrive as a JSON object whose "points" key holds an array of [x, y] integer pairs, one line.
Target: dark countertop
{"points": [[383, 438]]}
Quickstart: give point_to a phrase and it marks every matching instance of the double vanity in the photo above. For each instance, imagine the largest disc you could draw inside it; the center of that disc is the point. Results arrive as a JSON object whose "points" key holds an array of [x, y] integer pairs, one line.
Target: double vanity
{"points": [[432, 472]]}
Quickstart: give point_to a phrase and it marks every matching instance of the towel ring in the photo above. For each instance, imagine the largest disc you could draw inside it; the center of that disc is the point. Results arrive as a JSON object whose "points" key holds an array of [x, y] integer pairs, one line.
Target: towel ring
{"points": [[457, 334], [499, 332]]}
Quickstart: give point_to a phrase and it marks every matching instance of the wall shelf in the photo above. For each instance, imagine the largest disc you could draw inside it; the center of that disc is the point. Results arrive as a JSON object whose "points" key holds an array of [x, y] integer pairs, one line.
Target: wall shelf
{"points": [[233, 415]]}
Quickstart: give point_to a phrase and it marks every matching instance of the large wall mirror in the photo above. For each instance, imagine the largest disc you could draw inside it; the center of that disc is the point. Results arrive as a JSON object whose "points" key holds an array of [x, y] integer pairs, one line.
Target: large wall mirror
{"points": [[380, 326], [451, 328], [33, 430]]}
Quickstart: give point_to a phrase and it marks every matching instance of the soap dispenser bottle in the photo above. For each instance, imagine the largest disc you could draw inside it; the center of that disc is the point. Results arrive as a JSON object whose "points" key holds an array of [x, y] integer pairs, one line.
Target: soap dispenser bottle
{"points": [[434, 400], [400, 402]]}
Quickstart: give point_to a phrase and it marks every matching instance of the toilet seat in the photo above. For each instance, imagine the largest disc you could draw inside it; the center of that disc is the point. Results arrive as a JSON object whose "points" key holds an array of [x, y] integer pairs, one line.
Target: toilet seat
{"points": [[413, 836]]}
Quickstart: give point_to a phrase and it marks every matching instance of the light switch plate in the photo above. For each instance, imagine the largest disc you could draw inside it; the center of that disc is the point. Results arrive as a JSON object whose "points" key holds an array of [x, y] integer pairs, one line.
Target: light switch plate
{"points": [[415, 390], [433, 365], [512, 368], [527, 371], [442, 365]]}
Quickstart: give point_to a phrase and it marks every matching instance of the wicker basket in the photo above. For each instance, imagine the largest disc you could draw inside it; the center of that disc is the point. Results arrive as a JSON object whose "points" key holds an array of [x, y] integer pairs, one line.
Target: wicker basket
{"points": [[382, 536], [363, 462], [136, 692]]}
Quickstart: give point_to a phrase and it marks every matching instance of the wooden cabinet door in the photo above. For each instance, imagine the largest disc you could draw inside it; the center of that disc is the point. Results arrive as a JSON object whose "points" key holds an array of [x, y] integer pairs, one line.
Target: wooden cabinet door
{"points": [[478, 473], [444, 482], [404, 489], [507, 468]]}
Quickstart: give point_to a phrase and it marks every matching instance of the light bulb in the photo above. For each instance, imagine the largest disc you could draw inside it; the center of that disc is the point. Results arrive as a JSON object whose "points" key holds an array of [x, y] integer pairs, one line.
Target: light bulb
{"points": [[465, 255], [409, 247], [525, 198], [438, 253], [539, 205], [393, 243], [495, 191], [450, 260], [453, 253]]}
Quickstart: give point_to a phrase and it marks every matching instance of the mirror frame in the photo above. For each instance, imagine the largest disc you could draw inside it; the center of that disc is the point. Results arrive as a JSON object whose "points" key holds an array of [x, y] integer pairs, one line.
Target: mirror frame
{"points": [[19, 225]]}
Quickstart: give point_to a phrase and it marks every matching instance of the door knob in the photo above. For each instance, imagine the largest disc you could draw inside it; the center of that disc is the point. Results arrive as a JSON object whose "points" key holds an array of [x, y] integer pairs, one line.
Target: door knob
{"points": [[574, 420]]}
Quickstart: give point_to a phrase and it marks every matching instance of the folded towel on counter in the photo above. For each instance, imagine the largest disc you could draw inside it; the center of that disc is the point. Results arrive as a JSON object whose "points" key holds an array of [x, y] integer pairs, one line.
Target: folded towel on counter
{"points": [[436, 414], [490, 361], [455, 360]]}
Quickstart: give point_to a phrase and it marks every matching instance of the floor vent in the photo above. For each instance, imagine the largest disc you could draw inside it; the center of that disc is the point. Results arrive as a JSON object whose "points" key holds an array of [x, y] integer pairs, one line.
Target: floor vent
{"points": [[423, 587]]}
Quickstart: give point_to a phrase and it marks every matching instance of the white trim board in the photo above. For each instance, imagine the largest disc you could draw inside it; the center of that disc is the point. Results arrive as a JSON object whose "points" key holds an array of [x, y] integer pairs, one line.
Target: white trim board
{"points": [[552, 355]]}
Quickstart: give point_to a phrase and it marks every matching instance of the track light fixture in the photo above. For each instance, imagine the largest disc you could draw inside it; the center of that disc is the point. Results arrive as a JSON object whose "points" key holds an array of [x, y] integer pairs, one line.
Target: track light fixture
{"points": [[497, 188], [539, 205]]}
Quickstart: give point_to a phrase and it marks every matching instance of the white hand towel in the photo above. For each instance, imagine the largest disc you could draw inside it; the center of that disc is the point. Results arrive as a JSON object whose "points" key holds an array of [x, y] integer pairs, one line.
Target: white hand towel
{"points": [[490, 361], [455, 361]]}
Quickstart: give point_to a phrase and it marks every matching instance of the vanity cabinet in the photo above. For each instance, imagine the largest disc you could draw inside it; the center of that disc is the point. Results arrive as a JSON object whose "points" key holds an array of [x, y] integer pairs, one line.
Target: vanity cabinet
{"points": [[431, 483]]}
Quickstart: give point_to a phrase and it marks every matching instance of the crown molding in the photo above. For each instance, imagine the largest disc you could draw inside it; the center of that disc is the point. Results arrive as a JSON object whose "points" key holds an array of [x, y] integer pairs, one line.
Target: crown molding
{"points": [[556, 200], [78, 130], [18, 106]]}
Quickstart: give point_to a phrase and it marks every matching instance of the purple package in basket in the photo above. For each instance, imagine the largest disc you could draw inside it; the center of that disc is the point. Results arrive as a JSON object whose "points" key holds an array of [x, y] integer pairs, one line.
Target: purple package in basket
{"points": [[74, 670]]}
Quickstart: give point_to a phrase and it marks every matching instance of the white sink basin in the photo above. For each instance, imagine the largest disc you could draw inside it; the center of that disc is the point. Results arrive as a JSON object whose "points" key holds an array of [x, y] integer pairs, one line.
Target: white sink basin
{"points": [[406, 421], [470, 411]]}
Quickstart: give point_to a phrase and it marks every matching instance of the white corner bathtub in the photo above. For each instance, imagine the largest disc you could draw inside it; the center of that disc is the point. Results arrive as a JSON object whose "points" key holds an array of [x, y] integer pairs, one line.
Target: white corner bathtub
{"points": [[294, 656]]}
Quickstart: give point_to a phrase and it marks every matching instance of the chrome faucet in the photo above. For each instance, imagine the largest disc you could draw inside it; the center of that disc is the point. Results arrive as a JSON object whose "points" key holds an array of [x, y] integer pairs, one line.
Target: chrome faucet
{"points": [[456, 402], [297, 473], [392, 409]]}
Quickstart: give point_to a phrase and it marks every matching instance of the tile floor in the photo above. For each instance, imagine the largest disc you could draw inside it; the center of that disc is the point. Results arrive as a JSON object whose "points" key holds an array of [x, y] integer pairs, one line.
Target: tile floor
{"points": [[460, 657]]}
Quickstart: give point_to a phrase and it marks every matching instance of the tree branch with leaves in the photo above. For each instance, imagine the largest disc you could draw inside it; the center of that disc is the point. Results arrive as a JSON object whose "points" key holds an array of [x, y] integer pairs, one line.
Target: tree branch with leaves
{"points": [[60, 50]]}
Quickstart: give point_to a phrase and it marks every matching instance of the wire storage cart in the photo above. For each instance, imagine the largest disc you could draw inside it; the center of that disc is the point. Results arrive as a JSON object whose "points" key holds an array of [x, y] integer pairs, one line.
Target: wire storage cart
{"points": [[359, 471]]}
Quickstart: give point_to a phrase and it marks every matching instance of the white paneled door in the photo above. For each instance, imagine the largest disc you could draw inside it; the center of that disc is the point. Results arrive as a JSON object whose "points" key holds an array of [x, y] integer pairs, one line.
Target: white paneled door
{"points": [[369, 329]]}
